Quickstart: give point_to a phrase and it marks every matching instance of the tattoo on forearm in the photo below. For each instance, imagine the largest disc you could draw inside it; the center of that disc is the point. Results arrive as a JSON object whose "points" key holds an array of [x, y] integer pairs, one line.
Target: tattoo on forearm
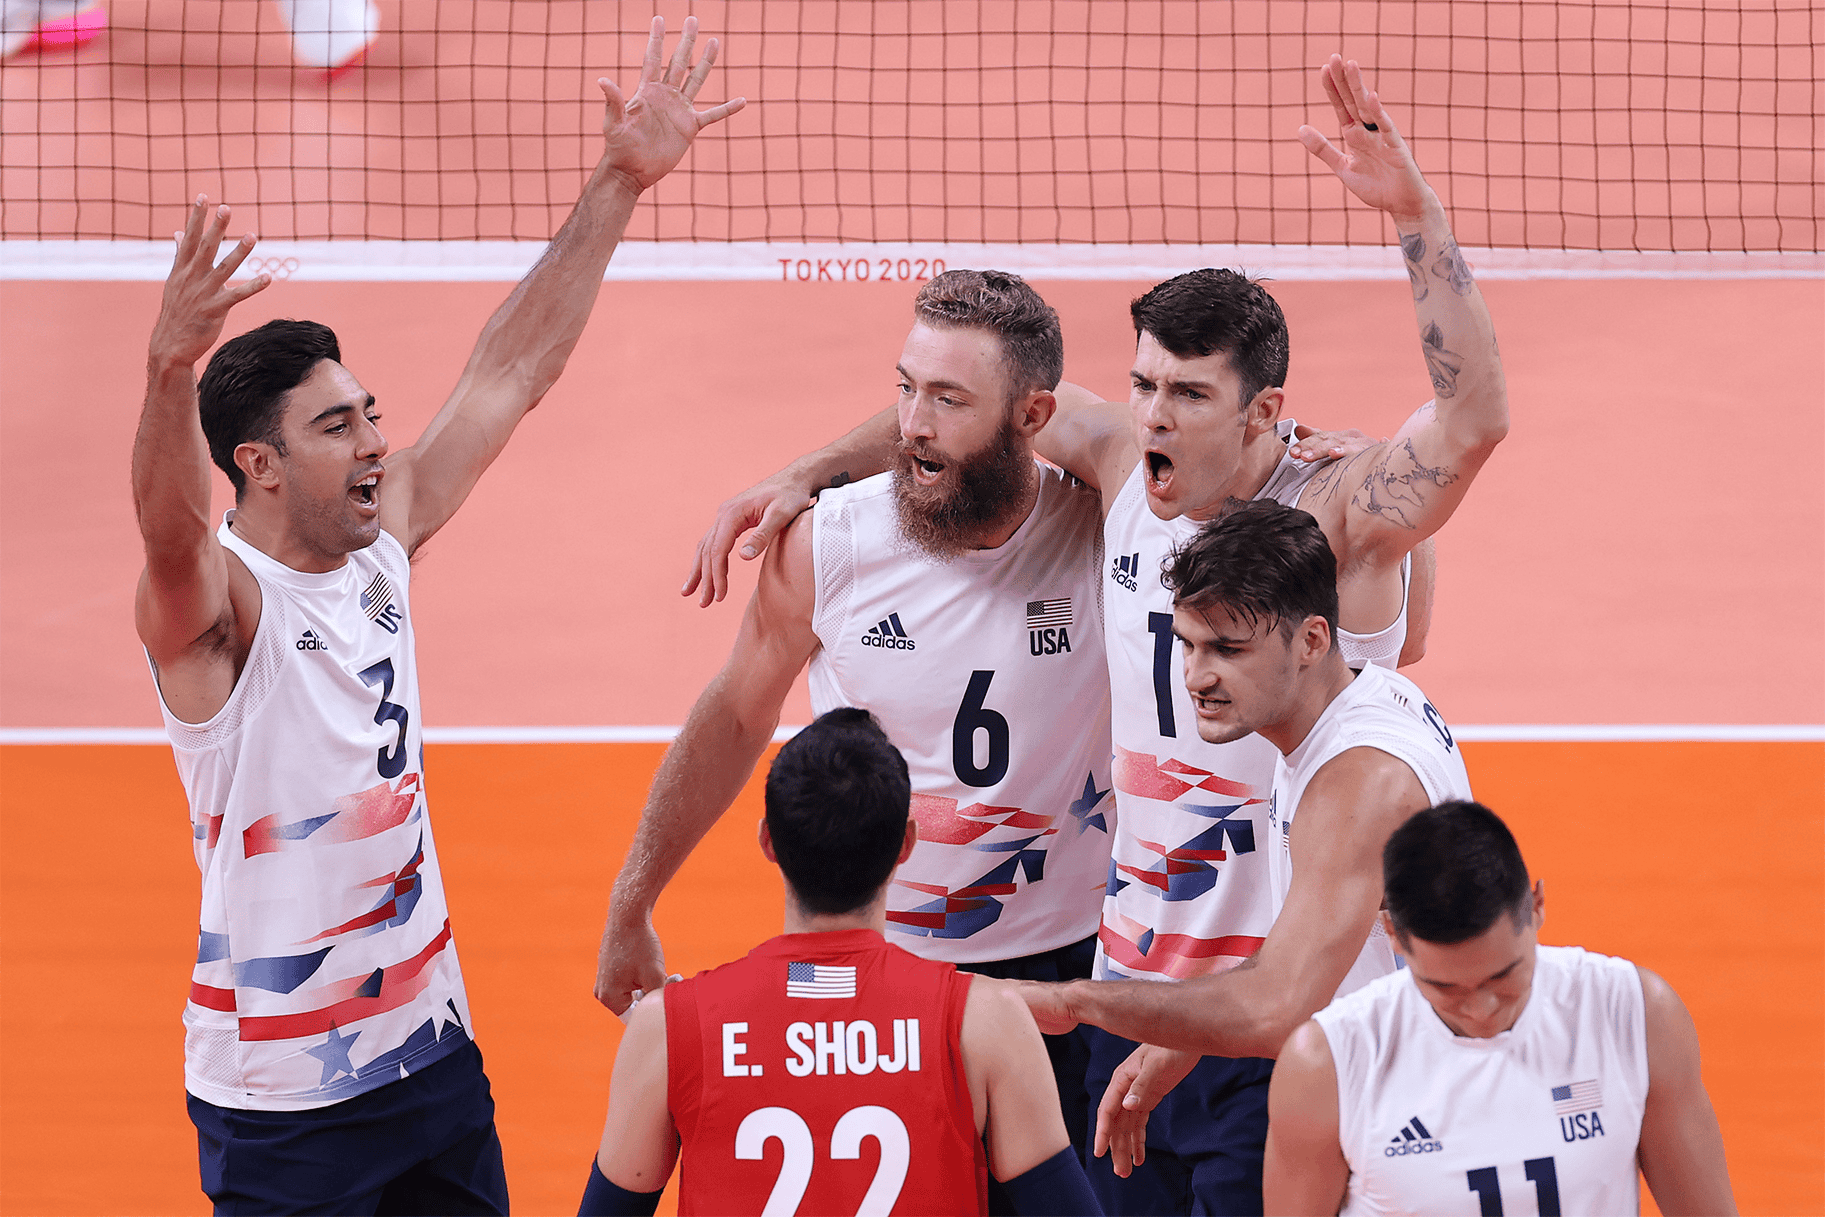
{"points": [[1444, 365], [1396, 486], [1450, 267], [841, 479], [1413, 248]]}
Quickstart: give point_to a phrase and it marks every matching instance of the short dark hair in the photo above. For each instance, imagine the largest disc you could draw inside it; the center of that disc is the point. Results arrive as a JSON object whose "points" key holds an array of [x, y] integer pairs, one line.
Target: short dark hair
{"points": [[1032, 345], [1450, 871], [1204, 311], [1260, 561], [242, 393], [838, 796]]}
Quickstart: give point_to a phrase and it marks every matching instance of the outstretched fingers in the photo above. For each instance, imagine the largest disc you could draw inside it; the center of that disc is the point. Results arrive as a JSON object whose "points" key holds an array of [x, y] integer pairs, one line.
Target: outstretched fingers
{"points": [[1332, 75], [716, 114], [1322, 148], [655, 51], [680, 67], [701, 72]]}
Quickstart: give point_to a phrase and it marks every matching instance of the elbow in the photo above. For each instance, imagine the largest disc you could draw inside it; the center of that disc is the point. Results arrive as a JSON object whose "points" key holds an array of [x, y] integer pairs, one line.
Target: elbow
{"points": [[1272, 1029]]}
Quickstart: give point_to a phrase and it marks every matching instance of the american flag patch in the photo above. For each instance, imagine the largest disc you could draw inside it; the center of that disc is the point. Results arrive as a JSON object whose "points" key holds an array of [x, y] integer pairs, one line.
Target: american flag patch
{"points": [[1579, 1096], [376, 596], [819, 980], [1042, 613]]}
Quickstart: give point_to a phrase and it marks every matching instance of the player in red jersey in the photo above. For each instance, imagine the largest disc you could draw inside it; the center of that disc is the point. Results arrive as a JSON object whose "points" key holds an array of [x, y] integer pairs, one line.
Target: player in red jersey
{"points": [[769, 1077]]}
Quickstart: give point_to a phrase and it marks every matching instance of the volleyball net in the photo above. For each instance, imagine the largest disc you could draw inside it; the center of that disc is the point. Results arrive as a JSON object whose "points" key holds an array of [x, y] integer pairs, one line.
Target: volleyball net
{"points": [[1090, 136]]}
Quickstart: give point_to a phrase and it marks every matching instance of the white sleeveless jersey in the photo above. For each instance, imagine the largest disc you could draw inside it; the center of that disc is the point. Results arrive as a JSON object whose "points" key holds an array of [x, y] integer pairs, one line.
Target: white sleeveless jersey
{"points": [[1544, 1118], [324, 962], [1383, 710], [988, 673], [1188, 890]]}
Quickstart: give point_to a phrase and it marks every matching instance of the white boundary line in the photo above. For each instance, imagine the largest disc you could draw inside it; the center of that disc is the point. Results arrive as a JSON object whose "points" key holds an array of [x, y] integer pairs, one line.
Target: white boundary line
{"points": [[507, 261], [1571, 733]]}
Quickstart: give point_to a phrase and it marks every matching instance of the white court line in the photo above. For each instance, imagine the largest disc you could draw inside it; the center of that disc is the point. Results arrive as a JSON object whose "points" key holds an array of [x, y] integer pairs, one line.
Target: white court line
{"points": [[1572, 733], [856, 262]]}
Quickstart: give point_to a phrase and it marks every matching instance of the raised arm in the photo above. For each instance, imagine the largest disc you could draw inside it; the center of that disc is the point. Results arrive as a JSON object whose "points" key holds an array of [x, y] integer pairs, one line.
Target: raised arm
{"points": [[1347, 813], [525, 345], [1393, 496], [1682, 1148], [195, 609], [1304, 1171], [709, 762]]}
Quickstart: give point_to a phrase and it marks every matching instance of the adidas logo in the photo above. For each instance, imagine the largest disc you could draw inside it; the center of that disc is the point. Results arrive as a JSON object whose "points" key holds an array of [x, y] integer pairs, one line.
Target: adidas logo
{"points": [[1126, 570], [311, 641], [1412, 1139], [889, 635]]}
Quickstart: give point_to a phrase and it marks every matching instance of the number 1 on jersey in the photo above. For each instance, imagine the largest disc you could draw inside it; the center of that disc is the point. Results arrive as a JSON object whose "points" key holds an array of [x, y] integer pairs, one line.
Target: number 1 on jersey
{"points": [[1160, 626]]}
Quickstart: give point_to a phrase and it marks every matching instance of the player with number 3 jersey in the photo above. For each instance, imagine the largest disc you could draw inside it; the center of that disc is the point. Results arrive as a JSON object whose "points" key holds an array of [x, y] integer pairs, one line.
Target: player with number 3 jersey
{"points": [[328, 1052]]}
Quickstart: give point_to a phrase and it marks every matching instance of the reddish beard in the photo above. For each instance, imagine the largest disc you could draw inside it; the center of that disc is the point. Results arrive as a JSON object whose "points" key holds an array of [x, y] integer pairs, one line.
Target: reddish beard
{"points": [[978, 493]]}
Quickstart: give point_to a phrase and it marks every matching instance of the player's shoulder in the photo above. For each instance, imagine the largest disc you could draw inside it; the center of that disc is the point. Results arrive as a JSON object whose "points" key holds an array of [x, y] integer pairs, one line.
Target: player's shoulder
{"points": [[860, 493], [1574, 970]]}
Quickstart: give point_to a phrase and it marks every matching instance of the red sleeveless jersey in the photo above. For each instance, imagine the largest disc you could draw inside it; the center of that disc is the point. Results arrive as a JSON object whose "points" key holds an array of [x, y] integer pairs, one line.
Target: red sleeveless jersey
{"points": [[823, 1074]]}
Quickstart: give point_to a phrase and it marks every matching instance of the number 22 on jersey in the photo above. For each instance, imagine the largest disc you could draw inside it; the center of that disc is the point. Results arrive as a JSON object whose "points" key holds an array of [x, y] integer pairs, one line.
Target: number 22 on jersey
{"points": [[794, 1135]]}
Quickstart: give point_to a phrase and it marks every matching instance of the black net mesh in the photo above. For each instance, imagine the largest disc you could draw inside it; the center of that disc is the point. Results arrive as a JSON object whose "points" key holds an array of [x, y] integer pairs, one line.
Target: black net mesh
{"points": [[1550, 124]]}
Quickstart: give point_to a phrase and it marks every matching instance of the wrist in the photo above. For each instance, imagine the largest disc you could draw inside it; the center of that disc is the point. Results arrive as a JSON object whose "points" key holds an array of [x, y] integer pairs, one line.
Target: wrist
{"points": [[616, 181], [1431, 212]]}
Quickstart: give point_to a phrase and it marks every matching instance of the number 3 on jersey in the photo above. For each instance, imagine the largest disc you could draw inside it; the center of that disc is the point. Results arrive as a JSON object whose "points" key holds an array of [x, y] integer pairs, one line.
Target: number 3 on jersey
{"points": [[786, 1126]]}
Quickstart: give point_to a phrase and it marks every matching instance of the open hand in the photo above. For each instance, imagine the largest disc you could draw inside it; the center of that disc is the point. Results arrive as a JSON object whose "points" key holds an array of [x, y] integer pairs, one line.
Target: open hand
{"points": [[647, 136], [1374, 162], [197, 293], [1138, 1085], [767, 508]]}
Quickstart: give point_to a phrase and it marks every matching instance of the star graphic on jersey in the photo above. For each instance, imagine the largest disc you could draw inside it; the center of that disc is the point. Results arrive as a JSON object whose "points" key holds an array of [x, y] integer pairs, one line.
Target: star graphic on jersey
{"points": [[334, 1053], [1081, 809]]}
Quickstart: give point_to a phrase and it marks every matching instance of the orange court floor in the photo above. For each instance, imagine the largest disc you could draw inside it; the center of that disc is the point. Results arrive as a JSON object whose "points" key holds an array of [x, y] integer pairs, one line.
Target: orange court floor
{"points": [[1705, 861], [1643, 549]]}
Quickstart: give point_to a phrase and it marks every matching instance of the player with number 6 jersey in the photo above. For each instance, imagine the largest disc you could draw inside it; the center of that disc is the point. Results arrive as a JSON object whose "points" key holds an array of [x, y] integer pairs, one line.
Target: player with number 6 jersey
{"points": [[763, 1079], [957, 598]]}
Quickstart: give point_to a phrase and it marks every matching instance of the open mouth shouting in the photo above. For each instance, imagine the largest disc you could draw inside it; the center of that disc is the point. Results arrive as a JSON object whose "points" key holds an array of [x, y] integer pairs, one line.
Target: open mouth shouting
{"points": [[924, 470], [1159, 472], [366, 493]]}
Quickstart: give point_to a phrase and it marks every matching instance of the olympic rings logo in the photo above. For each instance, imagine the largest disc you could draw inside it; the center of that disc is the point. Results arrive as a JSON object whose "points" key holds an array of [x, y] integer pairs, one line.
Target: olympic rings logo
{"points": [[278, 268]]}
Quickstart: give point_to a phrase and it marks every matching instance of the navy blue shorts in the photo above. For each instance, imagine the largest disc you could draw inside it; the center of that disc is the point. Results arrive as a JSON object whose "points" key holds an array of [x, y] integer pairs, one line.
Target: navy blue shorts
{"points": [[1204, 1141], [1070, 1052], [423, 1144]]}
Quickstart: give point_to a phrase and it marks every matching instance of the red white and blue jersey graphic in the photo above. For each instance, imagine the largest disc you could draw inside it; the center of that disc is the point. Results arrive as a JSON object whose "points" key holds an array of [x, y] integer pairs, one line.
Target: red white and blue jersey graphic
{"points": [[987, 671], [324, 965], [1189, 891]]}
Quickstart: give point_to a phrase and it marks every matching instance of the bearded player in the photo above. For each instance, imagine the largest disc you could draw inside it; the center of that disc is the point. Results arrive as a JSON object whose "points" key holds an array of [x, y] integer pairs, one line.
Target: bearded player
{"points": [[1190, 892], [328, 1055], [1493, 1074], [829, 1036], [956, 598]]}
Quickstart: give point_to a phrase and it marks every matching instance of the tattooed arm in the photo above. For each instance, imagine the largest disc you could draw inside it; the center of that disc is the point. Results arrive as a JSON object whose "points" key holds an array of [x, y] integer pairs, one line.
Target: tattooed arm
{"points": [[1401, 492]]}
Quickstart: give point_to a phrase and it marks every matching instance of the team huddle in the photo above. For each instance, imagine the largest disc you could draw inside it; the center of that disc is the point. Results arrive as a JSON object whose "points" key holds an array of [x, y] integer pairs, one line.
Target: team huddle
{"points": [[1124, 871]]}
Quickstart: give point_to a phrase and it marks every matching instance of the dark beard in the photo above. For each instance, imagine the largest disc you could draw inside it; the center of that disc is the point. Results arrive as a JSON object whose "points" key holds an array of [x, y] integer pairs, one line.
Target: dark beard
{"points": [[988, 486]]}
